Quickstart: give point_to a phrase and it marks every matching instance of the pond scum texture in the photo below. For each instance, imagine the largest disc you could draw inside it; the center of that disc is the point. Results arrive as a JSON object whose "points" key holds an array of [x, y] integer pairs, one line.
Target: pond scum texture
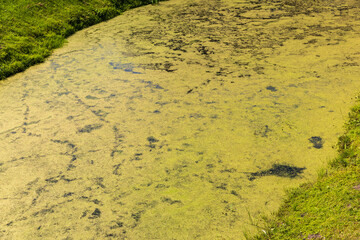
{"points": [[184, 120]]}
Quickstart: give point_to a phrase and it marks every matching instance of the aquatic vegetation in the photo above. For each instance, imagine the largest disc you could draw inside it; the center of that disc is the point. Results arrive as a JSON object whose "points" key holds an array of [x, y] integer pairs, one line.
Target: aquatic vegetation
{"points": [[316, 141], [227, 89], [280, 170]]}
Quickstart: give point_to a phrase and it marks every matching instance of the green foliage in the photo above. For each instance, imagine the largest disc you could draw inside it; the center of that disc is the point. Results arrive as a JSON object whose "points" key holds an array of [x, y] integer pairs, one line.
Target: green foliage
{"points": [[328, 208], [29, 29]]}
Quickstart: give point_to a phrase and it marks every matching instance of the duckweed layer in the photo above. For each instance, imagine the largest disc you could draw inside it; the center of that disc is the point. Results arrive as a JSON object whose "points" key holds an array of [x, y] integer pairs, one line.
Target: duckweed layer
{"points": [[147, 126]]}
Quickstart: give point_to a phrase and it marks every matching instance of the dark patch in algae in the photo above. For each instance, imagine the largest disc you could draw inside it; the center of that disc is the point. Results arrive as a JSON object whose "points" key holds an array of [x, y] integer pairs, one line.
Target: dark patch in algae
{"points": [[90, 128], [170, 201], [317, 142], [95, 214], [271, 88], [151, 139], [279, 170], [263, 132]]}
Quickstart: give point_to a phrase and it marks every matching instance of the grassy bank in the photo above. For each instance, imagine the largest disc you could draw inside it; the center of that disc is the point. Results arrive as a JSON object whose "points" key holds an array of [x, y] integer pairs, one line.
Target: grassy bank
{"points": [[330, 207], [30, 29]]}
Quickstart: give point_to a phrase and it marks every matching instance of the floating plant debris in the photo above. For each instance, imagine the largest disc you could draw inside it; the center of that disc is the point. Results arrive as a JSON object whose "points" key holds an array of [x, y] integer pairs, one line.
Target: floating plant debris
{"points": [[95, 214], [279, 170], [263, 132], [317, 142], [152, 139], [127, 67], [271, 88], [89, 128]]}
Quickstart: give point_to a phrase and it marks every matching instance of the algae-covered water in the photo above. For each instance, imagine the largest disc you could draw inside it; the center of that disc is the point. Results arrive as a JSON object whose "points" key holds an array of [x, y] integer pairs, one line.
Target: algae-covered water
{"points": [[184, 120]]}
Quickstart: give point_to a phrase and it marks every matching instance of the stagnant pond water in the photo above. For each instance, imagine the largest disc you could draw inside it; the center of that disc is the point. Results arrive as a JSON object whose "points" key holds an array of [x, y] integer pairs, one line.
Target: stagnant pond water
{"points": [[174, 121]]}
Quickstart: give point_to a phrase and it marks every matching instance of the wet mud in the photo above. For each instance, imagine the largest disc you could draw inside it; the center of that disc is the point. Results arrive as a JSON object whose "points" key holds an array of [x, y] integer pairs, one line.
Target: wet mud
{"points": [[147, 126]]}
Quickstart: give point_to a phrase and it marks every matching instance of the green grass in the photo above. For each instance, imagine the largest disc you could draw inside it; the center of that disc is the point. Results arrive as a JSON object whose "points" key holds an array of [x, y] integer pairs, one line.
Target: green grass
{"points": [[330, 207], [31, 29]]}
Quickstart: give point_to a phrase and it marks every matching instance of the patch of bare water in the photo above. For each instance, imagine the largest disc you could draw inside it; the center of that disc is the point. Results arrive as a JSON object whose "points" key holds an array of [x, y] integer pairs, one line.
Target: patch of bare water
{"points": [[174, 121]]}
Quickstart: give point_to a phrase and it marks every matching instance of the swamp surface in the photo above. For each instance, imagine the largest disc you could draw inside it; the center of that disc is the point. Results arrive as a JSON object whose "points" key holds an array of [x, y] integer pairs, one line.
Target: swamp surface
{"points": [[175, 121]]}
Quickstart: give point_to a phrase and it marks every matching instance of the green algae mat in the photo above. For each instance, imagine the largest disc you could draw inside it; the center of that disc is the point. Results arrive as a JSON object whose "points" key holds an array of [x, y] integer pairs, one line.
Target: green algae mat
{"points": [[185, 120]]}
